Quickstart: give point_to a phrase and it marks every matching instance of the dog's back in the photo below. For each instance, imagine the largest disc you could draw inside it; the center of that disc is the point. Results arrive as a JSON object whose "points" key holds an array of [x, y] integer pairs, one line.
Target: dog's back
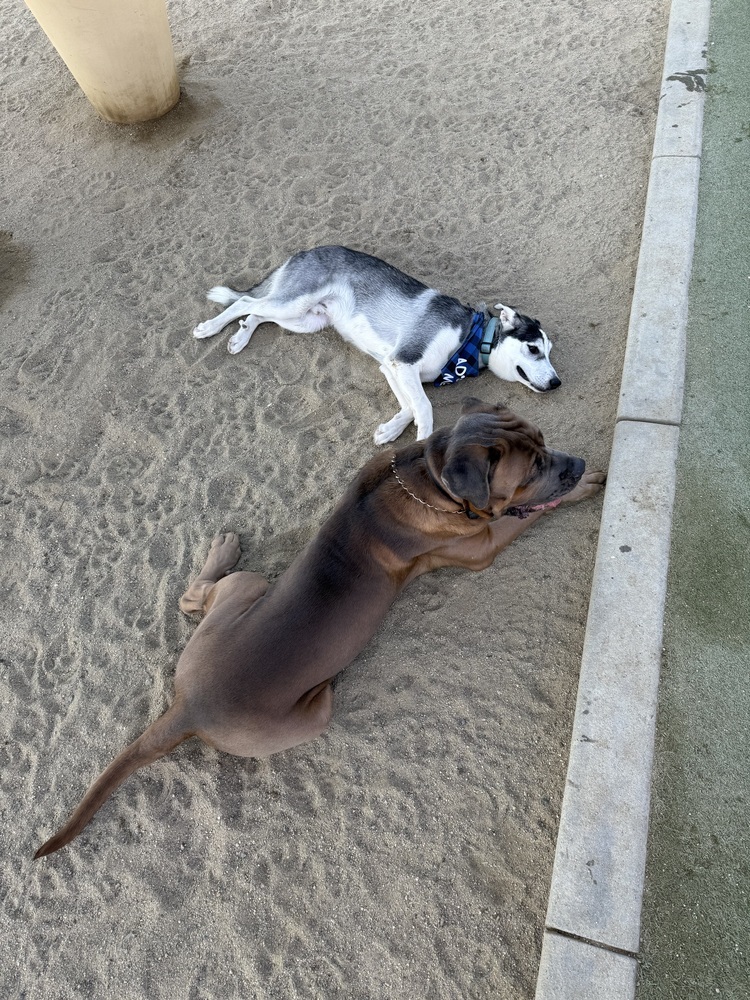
{"points": [[403, 312]]}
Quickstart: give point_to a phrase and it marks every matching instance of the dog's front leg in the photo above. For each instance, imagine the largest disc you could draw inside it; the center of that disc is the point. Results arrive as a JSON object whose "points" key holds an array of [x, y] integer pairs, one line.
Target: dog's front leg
{"points": [[406, 386], [506, 529], [408, 379], [393, 428], [476, 552], [590, 483]]}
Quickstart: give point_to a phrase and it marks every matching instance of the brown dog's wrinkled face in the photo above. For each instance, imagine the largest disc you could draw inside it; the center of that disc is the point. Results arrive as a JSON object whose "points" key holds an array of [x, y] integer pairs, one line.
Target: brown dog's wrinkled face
{"points": [[497, 463]]}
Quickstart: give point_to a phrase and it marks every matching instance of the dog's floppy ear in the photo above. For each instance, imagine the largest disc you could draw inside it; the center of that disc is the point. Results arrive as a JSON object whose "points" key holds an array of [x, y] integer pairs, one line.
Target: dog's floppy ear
{"points": [[466, 474], [468, 461]]}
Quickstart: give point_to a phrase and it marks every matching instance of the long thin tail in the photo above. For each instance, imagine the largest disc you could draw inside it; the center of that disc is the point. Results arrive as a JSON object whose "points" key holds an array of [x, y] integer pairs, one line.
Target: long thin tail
{"points": [[159, 739], [223, 295]]}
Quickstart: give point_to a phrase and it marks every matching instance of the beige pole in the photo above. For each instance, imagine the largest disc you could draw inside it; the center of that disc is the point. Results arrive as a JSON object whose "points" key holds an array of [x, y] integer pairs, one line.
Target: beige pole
{"points": [[119, 51]]}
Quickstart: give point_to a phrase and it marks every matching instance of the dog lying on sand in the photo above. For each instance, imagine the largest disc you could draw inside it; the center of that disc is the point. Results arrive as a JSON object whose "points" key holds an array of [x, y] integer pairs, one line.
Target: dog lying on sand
{"points": [[255, 678], [415, 333]]}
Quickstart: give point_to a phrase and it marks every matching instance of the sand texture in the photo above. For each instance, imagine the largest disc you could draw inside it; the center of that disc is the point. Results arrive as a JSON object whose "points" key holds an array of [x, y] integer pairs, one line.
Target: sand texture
{"points": [[497, 150]]}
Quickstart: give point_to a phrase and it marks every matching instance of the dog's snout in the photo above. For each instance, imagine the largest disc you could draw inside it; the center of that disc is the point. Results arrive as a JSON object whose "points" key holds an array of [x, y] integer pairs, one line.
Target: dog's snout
{"points": [[574, 469], [554, 383]]}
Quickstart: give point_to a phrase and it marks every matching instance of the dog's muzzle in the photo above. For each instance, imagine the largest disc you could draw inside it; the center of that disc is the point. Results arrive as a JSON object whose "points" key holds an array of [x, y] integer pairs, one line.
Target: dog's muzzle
{"points": [[570, 472], [554, 382]]}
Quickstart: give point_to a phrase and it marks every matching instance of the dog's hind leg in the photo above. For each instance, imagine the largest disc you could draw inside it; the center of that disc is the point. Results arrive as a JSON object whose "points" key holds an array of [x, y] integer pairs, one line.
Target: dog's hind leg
{"points": [[407, 387], [212, 585], [242, 337], [283, 316], [242, 307]]}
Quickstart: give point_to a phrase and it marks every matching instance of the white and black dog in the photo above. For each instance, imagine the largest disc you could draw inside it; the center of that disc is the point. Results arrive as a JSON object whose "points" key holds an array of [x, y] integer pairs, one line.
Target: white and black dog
{"points": [[416, 333]]}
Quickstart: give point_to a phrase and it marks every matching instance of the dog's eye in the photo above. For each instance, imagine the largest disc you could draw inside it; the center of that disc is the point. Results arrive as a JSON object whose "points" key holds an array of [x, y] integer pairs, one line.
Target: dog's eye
{"points": [[533, 350]]}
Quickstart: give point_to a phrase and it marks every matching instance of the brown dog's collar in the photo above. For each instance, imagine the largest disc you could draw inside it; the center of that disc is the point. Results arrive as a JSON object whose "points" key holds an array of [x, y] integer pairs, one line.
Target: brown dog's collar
{"points": [[442, 510]]}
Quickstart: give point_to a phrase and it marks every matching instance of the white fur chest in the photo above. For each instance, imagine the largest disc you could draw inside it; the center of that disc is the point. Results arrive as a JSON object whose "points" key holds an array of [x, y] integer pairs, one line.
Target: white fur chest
{"points": [[441, 348]]}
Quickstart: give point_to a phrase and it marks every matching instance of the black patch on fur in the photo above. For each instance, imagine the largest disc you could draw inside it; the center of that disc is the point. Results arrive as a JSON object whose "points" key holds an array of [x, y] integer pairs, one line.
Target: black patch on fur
{"points": [[411, 352], [443, 310], [528, 329]]}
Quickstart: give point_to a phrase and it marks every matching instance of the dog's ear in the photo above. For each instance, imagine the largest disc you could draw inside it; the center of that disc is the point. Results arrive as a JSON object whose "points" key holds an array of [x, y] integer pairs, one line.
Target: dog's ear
{"points": [[466, 474], [508, 318], [467, 466]]}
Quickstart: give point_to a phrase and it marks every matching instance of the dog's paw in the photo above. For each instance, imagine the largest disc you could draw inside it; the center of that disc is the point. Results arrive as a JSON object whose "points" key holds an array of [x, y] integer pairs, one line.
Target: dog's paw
{"points": [[589, 485], [382, 436], [388, 432], [204, 330], [225, 550], [392, 429], [238, 340]]}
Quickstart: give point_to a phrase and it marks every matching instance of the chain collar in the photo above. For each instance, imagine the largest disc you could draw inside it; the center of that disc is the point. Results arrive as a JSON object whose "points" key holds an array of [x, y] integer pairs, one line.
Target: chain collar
{"points": [[443, 510]]}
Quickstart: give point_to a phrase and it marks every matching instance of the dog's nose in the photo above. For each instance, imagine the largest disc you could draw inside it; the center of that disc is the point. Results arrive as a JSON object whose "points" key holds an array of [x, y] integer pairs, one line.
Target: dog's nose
{"points": [[574, 469], [554, 382]]}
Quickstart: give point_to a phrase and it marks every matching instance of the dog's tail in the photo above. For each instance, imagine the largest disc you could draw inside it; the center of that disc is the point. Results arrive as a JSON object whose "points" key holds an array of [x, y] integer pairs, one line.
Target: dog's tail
{"points": [[223, 295], [161, 736]]}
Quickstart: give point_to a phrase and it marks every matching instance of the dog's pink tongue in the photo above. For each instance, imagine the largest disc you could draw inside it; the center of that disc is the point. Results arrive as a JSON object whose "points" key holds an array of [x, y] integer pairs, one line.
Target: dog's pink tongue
{"points": [[547, 506]]}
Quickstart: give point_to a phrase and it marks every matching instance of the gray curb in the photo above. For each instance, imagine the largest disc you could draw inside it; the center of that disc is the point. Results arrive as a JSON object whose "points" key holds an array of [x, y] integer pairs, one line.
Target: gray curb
{"points": [[592, 931]]}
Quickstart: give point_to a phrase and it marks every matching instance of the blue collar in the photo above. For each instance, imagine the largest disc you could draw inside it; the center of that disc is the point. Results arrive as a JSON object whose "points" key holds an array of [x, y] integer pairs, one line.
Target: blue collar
{"points": [[488, 340], [473, 354]]}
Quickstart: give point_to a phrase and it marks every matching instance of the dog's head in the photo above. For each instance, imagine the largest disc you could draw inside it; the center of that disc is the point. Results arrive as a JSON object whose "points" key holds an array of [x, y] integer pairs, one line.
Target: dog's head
{"points": [[521, 351], [497, 463]]}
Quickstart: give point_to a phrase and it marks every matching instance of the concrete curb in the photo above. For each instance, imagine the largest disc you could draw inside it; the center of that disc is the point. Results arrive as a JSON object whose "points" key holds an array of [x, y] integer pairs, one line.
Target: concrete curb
{"points": [[592, 930]]}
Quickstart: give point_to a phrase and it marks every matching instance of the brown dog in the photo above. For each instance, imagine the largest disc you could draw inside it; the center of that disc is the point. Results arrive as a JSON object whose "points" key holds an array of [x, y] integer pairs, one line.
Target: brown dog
{"points": [[256, 676]]}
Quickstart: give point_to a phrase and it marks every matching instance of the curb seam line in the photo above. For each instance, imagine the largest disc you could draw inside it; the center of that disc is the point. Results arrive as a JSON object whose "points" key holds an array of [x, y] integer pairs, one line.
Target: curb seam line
{"points": [[649, 420], [676, 156], [601, 945]]}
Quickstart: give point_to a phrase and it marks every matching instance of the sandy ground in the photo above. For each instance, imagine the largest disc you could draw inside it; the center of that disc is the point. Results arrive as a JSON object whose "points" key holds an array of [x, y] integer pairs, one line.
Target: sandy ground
{"points": [[497, 150]]}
